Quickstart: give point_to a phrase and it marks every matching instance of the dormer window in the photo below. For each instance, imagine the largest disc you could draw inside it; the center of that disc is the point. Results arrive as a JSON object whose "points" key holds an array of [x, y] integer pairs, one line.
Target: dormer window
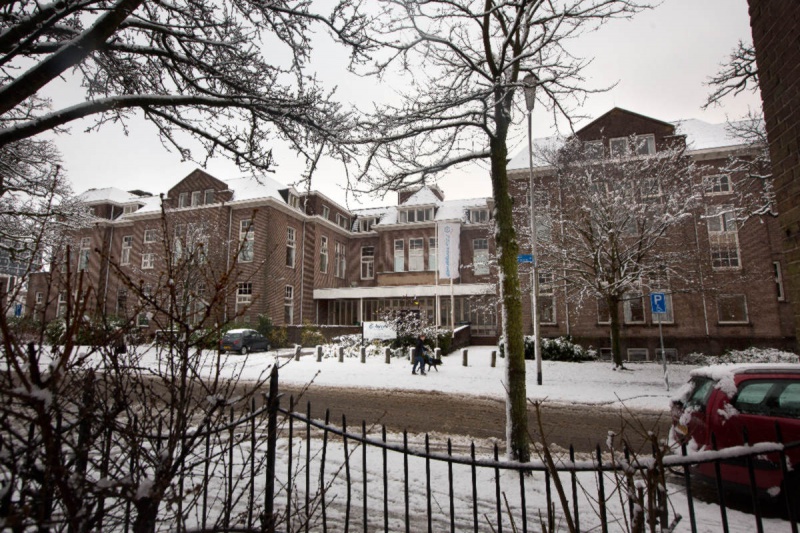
{"points": [[209, 196], [423, 214], [294, 201], [365, 224], [478, 216], [183, 199], [196, 196], [129, 209], [642, 145], [326, 212], [343, 221], [594, 149]]}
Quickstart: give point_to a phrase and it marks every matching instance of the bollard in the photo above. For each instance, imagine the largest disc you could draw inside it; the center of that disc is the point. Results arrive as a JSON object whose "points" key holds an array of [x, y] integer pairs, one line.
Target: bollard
{"points": [[464, 357], [387, 355], [319, 354], [363, 354], [297, 353], [494, 358], [437, 354], [341, 354]]}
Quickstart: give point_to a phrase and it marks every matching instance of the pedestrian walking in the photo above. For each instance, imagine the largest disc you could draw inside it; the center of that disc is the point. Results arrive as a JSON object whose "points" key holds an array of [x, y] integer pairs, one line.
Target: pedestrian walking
{"points": [[419, 355]]}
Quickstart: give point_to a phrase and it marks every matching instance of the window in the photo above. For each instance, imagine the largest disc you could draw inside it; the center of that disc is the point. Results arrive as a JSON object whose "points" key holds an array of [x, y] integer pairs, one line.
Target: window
{"points": [[39, 298], [732, 309], [209, 197], [143, 320], [178, 240], [544, 227], [603, 313], [423, 214], [148, 261], [416, 255], [719, 184], [326, 212], [593, 149], [367, 262], [62, 305], [125, 255], [724, 240], [633, 307], [432, 253], [546, 298], [128, 209], [294, 201], [480, 256], [246, 240], [183, 199], [342, 221], [244, 295], [776, 267], [365, 224], [399, 255], [122, 302], [288, 305], [83, 256], [638, 354], [150, 236], [323, 255], [291, 246], [478, 216], [340, 263], [618, 146], [196, 196], [670, 353]]}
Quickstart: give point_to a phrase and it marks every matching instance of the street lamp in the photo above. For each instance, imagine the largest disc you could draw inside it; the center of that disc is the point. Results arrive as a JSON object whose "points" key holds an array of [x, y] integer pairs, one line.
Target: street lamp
{"points": [[531, 81]]}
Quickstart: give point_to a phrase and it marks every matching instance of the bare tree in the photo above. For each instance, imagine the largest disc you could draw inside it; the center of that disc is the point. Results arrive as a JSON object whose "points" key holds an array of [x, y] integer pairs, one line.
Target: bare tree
{"points": [[619, 224], [738, 74], [463, 64], [194, 69]]}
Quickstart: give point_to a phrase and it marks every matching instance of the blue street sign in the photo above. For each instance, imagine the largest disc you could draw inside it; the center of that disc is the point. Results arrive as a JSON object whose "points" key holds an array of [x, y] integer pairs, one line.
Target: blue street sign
{"points": [[658, 302], [525, 258]]}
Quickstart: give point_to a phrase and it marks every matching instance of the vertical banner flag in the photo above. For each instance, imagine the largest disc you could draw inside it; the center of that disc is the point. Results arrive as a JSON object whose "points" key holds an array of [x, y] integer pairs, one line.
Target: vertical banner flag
{"points": [[449, 235]]}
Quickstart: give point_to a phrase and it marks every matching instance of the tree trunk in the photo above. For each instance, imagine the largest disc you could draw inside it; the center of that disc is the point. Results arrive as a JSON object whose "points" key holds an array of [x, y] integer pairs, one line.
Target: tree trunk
{"points": [[613, 311], [505, 238], [146, 514]]}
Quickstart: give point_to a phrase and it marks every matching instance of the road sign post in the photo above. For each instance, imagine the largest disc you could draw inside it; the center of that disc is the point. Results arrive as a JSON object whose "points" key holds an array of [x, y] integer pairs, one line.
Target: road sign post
{"points": [[658, 306]]}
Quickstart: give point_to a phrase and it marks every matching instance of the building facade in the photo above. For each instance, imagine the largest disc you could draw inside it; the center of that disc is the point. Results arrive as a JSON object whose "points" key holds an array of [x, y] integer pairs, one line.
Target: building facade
{"points": [[236, 249]]}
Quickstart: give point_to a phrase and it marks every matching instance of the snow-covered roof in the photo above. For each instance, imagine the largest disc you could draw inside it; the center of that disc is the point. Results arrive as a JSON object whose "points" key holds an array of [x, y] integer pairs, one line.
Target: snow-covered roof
{"points": [[251, 188], [700, 135], [424, 196], [445, 210], [109, 195]]}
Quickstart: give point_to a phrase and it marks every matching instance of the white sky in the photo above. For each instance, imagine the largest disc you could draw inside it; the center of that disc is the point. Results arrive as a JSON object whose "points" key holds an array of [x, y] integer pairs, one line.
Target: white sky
{"points": [[660, 60]]}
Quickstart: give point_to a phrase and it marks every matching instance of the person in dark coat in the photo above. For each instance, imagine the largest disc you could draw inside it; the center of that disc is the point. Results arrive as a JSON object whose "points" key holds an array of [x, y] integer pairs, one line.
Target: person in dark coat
{"points": [[419, 355]]}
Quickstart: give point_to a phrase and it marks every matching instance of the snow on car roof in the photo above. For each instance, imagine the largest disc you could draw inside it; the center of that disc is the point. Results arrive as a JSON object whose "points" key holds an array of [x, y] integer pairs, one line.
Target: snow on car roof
{"points": [[239, 330], [724, 374]]}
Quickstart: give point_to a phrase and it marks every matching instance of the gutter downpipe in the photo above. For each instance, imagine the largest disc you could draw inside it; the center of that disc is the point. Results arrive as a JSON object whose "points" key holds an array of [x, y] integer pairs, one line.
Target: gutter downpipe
{"points": [[228, 260]]}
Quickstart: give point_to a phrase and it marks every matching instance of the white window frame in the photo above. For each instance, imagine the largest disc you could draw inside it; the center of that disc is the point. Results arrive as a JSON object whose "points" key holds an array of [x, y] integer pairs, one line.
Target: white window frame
{"points": [[547, 292], [294, 201], [399, 255], [326, 212], [196, 197], [291, 247], [342, 221], [288, 305], [593, 149], [618, 146], [128, 209], [627, 307], [247, 237], [433, 254], [244, 294], [83, 254], [743, 298], [39, 298], [479, 215], [416, 254], [718, 184], [208, 196], [148, 261], [368, 262], [638, 354], [480, 257], [323, 255], [183, 199], [150, 236], [340, 259], [125, 253], [723, 238], [647, 141]]}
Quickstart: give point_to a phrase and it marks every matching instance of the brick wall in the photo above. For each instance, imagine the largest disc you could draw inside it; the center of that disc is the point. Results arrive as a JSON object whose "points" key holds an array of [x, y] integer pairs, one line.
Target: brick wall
{"points": [[776, 36]]}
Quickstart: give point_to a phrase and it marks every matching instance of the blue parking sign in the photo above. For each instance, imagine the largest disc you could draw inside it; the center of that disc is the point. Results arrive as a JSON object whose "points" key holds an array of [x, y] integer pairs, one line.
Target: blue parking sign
{"points": [[658, 302]]}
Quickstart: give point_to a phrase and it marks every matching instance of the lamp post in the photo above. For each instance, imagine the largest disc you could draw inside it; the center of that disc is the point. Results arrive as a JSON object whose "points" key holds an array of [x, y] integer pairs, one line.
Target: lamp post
{"points": [[531, 81]]}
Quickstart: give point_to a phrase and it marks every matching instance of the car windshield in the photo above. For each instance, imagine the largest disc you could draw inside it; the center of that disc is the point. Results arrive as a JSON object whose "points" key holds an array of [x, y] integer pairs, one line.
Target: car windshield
{"points": [[233, 336], [701, 390]]}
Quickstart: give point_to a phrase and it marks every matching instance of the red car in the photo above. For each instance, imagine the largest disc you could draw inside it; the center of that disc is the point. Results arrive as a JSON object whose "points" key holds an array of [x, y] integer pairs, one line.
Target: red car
{"points": [[726, 399]]}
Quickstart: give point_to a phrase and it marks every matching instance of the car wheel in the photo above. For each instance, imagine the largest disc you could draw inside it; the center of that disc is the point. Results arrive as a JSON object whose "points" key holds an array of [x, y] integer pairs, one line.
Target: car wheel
{"points": [[792, 487], [244, 350]]}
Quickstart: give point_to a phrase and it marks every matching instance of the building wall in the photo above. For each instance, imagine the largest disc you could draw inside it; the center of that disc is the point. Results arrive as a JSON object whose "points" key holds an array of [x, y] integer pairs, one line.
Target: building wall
{"points": [[776, 34]]}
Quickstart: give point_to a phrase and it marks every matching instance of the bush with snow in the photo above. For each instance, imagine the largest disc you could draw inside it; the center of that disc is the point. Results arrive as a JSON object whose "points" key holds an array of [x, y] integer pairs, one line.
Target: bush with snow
{"points": [[558, 349], [749, 355]]}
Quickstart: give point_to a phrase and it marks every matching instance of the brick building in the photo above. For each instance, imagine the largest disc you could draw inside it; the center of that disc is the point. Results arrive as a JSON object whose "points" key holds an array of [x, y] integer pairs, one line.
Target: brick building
{"points": [[737, 299], [302, 258]]}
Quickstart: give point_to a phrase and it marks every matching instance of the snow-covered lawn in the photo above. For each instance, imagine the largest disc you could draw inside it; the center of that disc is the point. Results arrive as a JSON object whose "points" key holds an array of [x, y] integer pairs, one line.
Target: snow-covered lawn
{"points": [[640, 387]]}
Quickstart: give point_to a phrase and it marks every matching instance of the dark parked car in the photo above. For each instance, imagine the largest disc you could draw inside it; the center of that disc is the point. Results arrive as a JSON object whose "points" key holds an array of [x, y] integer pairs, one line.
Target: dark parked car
{"points": [[243, 341], [724, 400]]}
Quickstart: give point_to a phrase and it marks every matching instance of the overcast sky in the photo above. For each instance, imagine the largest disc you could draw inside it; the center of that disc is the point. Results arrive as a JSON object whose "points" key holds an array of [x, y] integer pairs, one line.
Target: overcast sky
{"points": [[660, 61]]}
